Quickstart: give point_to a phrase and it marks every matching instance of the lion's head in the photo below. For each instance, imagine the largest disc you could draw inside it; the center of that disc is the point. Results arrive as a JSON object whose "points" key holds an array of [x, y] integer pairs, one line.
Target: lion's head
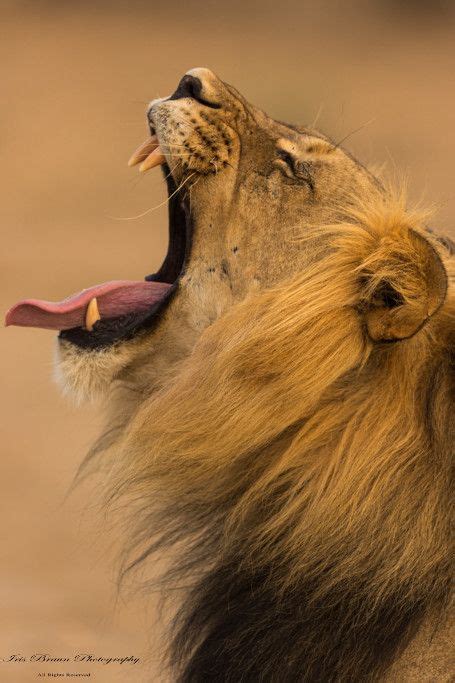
{"points": [[241, 187], [280, 395]]}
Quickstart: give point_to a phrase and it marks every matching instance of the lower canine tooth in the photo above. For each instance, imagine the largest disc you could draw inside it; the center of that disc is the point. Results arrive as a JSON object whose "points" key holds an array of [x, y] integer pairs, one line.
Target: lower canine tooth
{"points": [[92, 314]]}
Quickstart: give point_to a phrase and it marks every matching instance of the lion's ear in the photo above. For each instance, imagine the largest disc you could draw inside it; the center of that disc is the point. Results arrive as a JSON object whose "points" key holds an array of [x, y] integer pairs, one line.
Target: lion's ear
{"points": [[404, 283]]}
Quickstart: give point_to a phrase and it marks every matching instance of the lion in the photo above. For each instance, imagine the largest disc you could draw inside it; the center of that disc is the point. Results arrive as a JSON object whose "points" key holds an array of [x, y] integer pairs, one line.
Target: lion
{"points": [[280, 400]]}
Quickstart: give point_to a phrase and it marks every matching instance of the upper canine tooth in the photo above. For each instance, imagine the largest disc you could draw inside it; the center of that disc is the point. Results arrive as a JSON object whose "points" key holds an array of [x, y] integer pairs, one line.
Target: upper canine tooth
{"points": [[92, 314], [143, 151], [156, 158]]}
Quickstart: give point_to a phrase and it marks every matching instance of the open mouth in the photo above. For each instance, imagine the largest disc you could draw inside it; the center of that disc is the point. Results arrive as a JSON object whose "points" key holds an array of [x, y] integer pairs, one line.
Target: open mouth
{"points": [[113, 311]]}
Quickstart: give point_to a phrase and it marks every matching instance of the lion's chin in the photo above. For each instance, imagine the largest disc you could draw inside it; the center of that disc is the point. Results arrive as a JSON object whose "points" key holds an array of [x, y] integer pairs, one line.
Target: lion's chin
{"points": [[85, 375]]}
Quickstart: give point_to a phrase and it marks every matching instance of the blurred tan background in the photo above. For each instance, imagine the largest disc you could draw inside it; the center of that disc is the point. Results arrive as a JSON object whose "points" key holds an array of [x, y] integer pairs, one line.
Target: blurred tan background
{"points": [[75, 80]]}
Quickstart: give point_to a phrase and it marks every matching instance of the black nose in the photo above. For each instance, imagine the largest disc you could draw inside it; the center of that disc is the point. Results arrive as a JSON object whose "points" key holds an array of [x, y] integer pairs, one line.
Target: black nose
{"points": [[189, 86]]}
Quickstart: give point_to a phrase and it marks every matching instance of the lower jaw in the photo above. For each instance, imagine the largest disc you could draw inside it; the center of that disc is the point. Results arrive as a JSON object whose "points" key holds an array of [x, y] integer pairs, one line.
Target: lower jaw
{"points": [[108, 332], [113, 330]]}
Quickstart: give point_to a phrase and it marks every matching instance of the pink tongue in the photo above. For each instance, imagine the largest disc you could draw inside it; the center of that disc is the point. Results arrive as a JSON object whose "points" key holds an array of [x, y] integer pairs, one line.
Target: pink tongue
{"points": [[114, 298]]}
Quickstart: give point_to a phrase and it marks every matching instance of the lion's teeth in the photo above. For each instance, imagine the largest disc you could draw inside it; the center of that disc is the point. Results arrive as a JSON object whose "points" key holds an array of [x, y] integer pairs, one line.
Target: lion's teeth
{"points": [[143, 151], [156, 158], [92, 314]]}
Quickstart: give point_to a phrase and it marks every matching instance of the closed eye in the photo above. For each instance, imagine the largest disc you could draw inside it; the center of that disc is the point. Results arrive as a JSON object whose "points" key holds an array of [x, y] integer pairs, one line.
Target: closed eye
{"points": [[287, 158], [295, 169]]}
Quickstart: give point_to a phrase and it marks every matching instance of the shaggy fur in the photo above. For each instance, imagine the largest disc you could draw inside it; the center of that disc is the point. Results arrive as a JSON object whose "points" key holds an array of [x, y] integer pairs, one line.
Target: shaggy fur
{"points": [[307, 467]]}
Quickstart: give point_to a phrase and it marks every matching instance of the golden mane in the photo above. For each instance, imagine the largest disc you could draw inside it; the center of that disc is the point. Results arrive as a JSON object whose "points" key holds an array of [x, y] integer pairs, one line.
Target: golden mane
{"points": [[302, 453]]}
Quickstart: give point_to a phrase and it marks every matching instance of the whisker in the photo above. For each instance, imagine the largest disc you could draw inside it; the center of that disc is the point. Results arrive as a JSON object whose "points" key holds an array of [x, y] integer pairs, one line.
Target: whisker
{"points": [[320, 110], [134, 182], [356, 130], [153, 208]]}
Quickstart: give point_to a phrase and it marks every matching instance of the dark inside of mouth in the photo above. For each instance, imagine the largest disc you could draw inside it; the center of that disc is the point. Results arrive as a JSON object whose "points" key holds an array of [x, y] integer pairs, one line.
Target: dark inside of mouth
{"points": [[108, 331]]}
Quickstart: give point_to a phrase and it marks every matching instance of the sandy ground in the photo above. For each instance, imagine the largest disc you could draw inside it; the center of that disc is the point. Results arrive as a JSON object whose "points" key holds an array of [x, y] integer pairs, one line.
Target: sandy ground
{"points": [[74, 84]]}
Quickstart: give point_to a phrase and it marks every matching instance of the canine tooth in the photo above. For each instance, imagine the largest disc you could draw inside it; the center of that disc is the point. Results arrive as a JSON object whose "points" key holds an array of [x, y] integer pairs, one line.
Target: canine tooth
{"points": [[92, 314], [143, 151], [156, 158]]}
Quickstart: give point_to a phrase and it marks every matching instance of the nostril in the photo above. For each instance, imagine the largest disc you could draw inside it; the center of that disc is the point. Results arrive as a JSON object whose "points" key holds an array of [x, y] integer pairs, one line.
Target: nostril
{"points": [[191, 86]]}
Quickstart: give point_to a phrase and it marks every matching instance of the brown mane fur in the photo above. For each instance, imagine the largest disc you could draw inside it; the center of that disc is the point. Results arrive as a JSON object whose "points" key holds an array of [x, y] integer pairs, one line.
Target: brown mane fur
{"points": [[305, 465]]}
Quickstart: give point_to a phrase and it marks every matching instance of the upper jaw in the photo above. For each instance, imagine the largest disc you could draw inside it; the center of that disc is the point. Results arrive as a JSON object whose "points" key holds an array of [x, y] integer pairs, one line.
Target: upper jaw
{"points": [[197, 127], [153, 104], [193, 140]]}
